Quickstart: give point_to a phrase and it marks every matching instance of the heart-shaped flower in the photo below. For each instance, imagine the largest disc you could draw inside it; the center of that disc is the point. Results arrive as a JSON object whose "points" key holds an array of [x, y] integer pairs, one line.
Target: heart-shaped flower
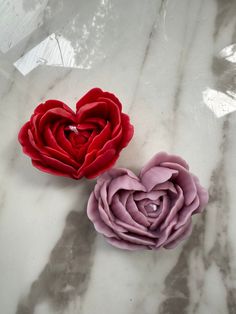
{"points": [[150, 211], [82, 144]]}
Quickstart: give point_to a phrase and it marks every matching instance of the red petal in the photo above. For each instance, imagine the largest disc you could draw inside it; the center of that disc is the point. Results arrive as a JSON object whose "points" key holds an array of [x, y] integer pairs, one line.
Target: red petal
{"points": [[51, 104], [34, 129], [63, 141], [62, 157], [57, 164], [55, 114], [90, 157], [106, 110], [99, 165], [114, 110], [23, 134], [51, 141], [90, 97], [34, 144], [93, 109], [112, 97], [127, 131], [113, 143], [44, 168], [23, 138], [99, 122], [99, 140]]}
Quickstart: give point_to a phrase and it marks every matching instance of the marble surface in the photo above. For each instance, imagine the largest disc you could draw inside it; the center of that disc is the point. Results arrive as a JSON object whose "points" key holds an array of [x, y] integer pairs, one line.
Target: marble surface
{"points": [[172, 64]]}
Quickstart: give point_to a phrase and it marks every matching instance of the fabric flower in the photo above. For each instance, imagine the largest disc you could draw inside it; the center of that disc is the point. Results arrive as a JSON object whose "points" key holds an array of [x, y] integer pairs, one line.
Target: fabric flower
{"points": [[82, 144], [150, 211]]}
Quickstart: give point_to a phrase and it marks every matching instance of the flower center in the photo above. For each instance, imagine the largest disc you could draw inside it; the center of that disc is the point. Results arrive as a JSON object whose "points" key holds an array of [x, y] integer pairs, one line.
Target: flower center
{"points": [[153, 207], [74, 129], [150, 208]]}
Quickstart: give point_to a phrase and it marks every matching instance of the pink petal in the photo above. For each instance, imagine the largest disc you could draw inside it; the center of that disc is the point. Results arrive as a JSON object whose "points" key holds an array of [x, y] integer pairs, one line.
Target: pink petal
{"points": [[122, 214], [153, 195], [136, 239], [162, 157], [178, 205], [178, 235], [156, 175], [164, 212], [136, 230], [133, 210], [166, 186], [185, 181], [94, 216], [186, 212], [166, 232], [124, 182]]}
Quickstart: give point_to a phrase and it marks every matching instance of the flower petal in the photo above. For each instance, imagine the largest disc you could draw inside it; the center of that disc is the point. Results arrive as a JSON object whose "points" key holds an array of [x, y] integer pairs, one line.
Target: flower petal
{"points": [[137, 239], [127, 130], [177, 207], [93, 215], [178, 236], [186, 212], [99, 165], [156, 175], [122, 214], [89, 97], [153, 195], [166, 233], [165, 207], [134, 212], [185, 181], [157, 159], [124, 182], [45, 168]]}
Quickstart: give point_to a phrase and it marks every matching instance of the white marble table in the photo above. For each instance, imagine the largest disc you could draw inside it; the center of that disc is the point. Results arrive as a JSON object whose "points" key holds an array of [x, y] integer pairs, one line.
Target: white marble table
{"points": [[172, 64]]}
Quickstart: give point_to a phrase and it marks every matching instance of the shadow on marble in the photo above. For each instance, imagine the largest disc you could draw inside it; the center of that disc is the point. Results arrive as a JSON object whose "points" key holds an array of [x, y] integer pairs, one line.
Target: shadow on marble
{"points": [[67, 273]]}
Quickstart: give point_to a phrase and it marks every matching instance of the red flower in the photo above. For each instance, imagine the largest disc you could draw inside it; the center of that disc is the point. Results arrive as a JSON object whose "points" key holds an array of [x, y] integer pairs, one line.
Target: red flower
{"points": [[82, 144]]}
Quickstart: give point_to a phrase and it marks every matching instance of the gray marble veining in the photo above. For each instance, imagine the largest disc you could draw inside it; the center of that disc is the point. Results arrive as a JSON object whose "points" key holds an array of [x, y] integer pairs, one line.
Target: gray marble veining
{"points": [[172, 64]]}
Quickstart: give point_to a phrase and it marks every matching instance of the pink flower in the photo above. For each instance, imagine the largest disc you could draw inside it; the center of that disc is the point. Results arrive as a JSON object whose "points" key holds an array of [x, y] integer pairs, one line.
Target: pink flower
{"points": [[150, 211]]}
